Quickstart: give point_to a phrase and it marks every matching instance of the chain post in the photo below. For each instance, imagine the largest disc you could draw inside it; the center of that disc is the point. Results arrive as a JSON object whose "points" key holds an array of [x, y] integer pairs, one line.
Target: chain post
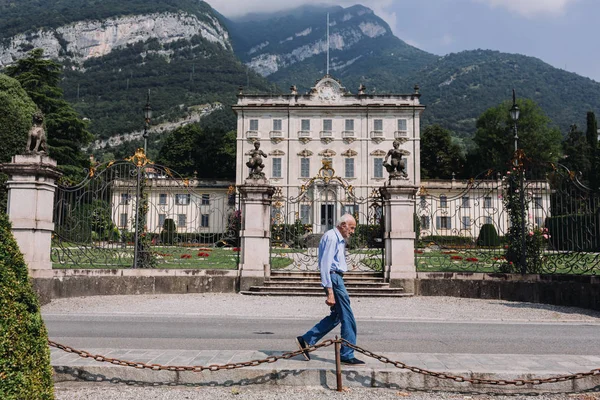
{"points": [[338, 364]]}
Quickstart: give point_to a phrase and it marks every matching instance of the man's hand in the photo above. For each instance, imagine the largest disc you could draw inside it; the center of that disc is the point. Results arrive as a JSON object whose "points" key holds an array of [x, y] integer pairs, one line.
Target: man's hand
{"points": [[330, 301]]}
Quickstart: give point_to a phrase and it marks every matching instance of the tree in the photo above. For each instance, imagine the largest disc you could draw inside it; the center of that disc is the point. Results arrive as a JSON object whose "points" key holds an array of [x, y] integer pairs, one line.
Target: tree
{"points": [[180, 150], [190, 151], [440, 157], [16, 111], [25, 371], [494, 138], [66, 131], [576, 151], [591, 135]]}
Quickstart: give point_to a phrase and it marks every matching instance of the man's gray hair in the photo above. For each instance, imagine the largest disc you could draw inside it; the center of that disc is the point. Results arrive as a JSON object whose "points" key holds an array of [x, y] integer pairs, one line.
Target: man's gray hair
{"points": [[344, 219]]}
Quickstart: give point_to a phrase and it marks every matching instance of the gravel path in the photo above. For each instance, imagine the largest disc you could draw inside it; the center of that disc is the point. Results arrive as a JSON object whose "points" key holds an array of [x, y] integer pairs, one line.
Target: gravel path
{"points": [[412, 308], [88, 391]]}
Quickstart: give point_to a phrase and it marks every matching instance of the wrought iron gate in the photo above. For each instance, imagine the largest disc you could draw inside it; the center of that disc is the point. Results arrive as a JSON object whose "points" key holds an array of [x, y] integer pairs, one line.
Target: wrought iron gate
{"points": [[134, 213], [299, 219], [469, 225]]}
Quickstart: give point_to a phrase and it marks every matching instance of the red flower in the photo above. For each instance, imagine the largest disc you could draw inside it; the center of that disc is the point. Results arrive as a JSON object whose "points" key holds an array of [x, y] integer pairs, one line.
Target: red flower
{"points": [[472, 259], [449, 252], [201, 254], [456, 258], [236, 249], [418, 251], [186, 256]]}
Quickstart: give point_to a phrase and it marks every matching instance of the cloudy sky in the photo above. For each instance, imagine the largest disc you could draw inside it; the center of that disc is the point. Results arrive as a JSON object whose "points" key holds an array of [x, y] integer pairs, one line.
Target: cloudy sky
{"points": [[563, 33]]}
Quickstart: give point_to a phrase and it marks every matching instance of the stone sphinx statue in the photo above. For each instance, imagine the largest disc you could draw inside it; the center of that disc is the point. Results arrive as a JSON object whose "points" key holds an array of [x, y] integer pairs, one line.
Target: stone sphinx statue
{"points": [[36, 139], [397, 167], [255, 163]]}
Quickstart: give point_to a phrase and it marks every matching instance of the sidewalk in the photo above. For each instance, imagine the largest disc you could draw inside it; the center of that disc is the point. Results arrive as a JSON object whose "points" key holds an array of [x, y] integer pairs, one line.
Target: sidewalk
{"points": [[320, 371]]}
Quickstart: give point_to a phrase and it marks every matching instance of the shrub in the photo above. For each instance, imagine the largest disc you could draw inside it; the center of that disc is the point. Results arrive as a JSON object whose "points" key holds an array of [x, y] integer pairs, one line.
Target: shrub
{"points": [[25, 371], [169, 232], [488, 236]]}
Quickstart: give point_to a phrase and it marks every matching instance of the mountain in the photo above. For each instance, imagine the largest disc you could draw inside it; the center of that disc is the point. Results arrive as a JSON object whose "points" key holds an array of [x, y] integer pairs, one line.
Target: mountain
{"points": [[192, 61], [289, 48], [114, 52]]}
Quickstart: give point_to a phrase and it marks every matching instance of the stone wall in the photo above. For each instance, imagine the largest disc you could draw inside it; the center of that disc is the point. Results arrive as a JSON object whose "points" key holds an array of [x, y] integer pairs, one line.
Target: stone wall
{"points": [[563, 290], [575, 291], [56, 284]]}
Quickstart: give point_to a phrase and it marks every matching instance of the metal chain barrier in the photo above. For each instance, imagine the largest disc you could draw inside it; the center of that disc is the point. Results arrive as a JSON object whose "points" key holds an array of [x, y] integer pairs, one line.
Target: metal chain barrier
{"points": [[475, 381], [325, 343], [193, 368]]}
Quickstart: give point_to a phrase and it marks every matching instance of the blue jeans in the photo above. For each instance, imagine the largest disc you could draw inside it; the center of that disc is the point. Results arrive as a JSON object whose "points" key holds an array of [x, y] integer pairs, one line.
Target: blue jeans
{"points": [[341, 312]]}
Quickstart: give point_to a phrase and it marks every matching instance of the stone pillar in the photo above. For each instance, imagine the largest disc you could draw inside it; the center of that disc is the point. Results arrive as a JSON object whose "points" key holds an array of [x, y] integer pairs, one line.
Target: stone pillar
{"points": [[399, 235], [256, 232], [31, 186]]}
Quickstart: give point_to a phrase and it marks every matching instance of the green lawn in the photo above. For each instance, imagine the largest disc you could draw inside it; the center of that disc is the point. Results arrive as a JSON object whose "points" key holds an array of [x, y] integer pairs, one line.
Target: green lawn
{"points": [[492, 260], [169, 257]]}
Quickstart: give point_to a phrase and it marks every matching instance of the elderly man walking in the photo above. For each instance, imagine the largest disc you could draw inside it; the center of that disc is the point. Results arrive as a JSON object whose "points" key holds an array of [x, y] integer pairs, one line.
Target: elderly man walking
{"points": [[332, 264]]}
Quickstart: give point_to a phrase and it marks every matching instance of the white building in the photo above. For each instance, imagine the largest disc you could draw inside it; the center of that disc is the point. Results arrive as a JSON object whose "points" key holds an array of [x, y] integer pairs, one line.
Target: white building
{"points": [[352, 131]]}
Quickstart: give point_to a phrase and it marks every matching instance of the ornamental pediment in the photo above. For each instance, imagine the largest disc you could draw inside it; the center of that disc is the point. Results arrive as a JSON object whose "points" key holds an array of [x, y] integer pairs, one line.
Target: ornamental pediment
{"points": [[349, 153], [327, 90], [327, 153], [305, 153], [277, 152], [378, 153]]}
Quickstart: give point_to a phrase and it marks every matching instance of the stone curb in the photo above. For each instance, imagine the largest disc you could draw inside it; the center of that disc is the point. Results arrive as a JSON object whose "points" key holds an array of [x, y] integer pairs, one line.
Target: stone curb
{"points": [[321, 372]]}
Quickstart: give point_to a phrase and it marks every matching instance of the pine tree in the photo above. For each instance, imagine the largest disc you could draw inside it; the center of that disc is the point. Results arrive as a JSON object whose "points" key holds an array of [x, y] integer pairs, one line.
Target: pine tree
{"points": [[66, 131]]}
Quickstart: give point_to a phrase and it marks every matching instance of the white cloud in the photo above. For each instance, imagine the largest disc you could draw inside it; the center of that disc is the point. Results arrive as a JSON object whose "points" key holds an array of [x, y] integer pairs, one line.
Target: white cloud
{"points": [[447, 39], [237, 8], [531, 8]]}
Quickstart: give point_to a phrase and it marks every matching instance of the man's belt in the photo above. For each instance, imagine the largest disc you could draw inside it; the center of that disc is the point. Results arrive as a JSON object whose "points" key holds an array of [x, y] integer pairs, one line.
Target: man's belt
{"points": [[340, 273]]}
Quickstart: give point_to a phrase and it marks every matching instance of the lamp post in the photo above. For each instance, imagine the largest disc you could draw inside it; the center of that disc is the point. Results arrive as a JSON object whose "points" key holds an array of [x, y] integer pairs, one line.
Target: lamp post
{"points": [[514, 114], [147, 118]]}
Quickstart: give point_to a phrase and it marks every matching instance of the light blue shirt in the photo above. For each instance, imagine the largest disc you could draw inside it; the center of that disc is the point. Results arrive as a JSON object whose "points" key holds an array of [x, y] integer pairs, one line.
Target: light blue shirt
{"points": [[332, 255]]}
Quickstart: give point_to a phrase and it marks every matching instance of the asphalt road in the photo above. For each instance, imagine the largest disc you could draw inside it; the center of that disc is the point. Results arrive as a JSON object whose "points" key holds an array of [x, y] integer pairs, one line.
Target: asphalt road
{"points": [[277, 334]]}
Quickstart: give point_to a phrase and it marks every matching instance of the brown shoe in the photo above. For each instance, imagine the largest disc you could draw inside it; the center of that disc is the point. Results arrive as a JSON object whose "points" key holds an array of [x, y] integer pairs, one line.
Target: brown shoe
{"points": [[303, 346]]}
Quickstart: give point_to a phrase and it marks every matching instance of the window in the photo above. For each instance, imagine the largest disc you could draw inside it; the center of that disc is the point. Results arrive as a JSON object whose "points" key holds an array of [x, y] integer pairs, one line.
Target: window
{"points": [[537, 202], [181, 220], [305, 167], [327, 125], [277, 167], [161, 220], [443, 201], [378, 125], [378, 167], [443, 223], [402, 125], [205, 199], [488, 220], [125, 197], [305, 125], [466, 203], [182, 199], [487, 202], [466, 222], [423, 201], [349, 125], [253, 124], [123, 220], [305, 213], [351, 209], [425, 222], [162, 198], [277, 125], [539, 222], [349, 168], [204, 221]]}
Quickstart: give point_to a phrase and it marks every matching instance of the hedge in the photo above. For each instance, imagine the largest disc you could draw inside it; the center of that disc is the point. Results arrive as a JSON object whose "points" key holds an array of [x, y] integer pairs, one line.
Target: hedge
{"points": [[576, 232], [488, 236], [25, 371]]}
